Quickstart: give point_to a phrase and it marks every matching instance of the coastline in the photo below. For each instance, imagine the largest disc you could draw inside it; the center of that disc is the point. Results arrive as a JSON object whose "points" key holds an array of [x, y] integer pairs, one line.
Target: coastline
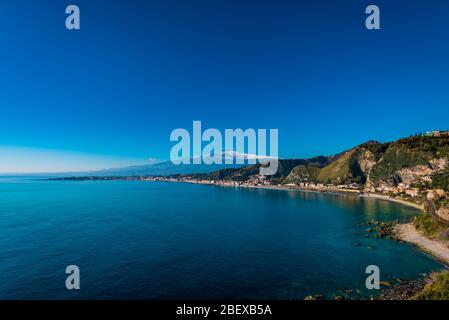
{"points": [[438, 249], [405, 232], [339, 192], [387, 198]]}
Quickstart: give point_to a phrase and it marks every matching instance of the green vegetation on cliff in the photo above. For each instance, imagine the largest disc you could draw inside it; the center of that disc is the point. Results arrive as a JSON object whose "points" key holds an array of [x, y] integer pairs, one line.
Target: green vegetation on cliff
{"points": [[380, 162], [395, 158], [429, 226], [441, 180], [303, 173], [437, 290], [436, 146], [349, 168], [409, 152]]}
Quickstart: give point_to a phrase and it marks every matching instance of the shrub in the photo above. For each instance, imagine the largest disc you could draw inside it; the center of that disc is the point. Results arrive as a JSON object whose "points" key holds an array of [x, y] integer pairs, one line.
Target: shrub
{"points": [[429, 225], [437, 290]]}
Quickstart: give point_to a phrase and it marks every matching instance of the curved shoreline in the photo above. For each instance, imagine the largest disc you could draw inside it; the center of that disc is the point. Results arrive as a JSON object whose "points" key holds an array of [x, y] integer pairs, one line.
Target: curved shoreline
{"points": [[402, 231], [340, 192], [405, 232], [438, 249], [400, 201]]}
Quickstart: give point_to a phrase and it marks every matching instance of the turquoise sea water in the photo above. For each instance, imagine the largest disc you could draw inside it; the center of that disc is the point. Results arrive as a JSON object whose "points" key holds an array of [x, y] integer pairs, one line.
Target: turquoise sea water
{"points": [[151, 240]]}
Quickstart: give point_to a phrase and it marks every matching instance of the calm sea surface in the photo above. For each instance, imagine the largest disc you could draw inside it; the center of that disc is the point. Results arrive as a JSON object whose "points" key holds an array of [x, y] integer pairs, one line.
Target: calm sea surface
{"points": [[150, 240]]}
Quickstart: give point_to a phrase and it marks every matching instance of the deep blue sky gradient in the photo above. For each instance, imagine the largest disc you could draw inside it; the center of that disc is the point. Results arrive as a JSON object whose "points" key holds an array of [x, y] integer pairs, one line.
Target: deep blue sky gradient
{"points": [[139, 69]]}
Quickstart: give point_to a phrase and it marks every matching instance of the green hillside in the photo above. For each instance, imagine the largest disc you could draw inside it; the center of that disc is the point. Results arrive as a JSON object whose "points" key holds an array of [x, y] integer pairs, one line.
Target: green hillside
{"points": [[409, 152], [352, 167], [371, 161], [303, 173]]}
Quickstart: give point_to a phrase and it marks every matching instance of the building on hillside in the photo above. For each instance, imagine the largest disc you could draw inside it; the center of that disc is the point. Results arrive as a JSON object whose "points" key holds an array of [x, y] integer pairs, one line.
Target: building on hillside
{"points": [[438, 133], [412, 192]]}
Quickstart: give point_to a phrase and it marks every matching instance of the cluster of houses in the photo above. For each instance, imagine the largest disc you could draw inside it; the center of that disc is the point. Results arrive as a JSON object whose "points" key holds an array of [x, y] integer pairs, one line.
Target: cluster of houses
{"points": [[157, 178], [437, 133], [406, 189], [353, 187], [400, 188], [257, 180], [253, 181]]}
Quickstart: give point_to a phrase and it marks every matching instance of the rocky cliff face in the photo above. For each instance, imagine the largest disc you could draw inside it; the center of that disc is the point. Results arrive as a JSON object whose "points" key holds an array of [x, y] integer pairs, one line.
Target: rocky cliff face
{"points": [[411, 175], [352, 167], [443, 213], [411, 160], [374, 165], [366, 162]]}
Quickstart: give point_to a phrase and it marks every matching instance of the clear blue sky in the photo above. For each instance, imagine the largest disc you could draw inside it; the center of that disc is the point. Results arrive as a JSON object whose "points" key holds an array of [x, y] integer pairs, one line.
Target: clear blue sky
{"points": [[139, 69]]}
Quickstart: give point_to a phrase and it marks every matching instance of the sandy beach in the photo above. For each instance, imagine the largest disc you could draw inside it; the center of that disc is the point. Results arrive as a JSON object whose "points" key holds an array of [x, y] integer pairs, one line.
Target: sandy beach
{"points": [[387, 198], [439, 249]]}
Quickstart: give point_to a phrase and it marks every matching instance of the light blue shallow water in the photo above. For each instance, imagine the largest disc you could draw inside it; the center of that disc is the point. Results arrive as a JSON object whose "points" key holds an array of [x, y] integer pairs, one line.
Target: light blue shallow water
{"points": [[148, 240]]}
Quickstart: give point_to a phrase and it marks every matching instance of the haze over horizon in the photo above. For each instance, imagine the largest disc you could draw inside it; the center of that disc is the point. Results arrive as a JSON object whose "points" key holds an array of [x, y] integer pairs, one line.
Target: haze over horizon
{"points": [[19, 160]]}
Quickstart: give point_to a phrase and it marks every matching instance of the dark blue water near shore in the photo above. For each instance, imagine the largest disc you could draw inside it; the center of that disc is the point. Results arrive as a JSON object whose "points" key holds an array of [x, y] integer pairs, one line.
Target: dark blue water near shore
{"points": [[148, 240]]}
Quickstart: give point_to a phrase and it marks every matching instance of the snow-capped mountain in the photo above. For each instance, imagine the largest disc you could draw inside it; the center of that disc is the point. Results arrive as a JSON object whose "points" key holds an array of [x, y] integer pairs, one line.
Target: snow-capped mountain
{"points": [[168, 168]]}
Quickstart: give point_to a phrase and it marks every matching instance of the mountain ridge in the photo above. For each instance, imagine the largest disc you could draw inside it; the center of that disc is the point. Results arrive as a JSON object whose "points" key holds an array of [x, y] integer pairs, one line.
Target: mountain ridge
{"points": [[370, 164]]}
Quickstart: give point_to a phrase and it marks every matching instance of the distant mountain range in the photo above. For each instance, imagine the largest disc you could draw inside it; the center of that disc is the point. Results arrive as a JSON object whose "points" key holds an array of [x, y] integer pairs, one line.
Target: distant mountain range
{"points": [[168, 168]]}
